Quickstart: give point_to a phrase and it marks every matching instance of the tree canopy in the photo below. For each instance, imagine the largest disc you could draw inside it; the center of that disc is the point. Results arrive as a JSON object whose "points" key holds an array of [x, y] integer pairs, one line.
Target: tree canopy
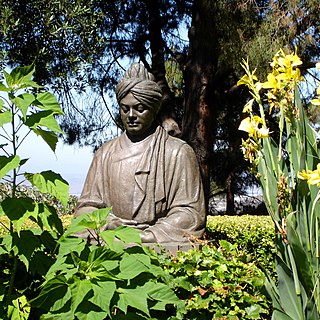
{"points": [[81, 48]]}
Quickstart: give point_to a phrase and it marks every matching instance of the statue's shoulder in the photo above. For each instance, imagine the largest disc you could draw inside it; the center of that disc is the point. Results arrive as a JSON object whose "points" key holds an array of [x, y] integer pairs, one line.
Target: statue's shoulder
{"points": [[107, 147], [178, 144]]}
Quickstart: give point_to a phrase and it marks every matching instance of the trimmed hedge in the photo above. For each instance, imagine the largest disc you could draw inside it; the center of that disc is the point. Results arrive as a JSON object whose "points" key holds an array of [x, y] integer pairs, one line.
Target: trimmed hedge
{"points": [[254, 235]]}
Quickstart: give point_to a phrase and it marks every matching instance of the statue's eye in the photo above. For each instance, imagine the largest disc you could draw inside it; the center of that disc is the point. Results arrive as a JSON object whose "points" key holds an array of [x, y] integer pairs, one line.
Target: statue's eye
{"points": [[125, 109], [140, 108]]}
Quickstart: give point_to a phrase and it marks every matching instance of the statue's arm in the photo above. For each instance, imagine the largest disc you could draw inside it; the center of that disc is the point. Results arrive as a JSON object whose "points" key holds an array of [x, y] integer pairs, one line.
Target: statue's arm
{"points": [[186, 206], [92, 196]]}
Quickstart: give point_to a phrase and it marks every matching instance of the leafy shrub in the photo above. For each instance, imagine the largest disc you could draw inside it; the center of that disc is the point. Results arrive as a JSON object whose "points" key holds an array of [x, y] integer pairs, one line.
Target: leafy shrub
{"points": [[214, 283], [104, 282], [254, 235]]}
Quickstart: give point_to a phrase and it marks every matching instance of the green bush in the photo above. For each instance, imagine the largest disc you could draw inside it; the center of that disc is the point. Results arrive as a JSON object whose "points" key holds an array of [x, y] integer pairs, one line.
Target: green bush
{"points": [[254, 235], [214, 283]]}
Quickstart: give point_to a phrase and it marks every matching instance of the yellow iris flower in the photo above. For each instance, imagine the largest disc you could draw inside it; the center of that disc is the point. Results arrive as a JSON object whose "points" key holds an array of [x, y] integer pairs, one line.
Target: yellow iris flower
{"points": [[252, 125], [312, 177]]}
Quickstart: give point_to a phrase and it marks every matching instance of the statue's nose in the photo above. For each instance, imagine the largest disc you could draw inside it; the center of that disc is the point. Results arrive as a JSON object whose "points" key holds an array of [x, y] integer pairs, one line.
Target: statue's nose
{"points": [[131, 113]]}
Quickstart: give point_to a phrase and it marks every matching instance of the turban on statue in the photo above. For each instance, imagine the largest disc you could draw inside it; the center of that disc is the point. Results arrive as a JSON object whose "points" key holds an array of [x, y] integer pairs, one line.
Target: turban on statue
{"points": [[138, 81]]}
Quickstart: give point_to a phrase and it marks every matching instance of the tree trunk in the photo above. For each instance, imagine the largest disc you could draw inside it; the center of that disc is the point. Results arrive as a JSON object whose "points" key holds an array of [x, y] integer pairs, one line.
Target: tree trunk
{"points": [[230, 194], [166, 115], [197, 128]]}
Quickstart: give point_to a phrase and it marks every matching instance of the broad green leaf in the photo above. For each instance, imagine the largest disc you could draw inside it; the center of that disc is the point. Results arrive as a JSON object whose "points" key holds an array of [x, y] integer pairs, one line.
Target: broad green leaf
{"points": [[47, 101], [43, 119], [5, 117], [128, 235], [4, 88], [103, 292], [92, 220], [132, 265], [19, 309], [125, 234], [136, 298], [50, 182], [48, 136], [24, 245], [162, 293], [48, 218], [53, 290], [21, 77], [89, 311], [290, 301], [18, 210], [68, 245], [23, 101], [7, 164], [79, 289]]}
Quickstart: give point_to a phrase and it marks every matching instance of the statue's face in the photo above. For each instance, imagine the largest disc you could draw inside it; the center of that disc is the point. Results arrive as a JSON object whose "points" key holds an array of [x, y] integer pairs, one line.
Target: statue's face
{"points": [[136, 118]]}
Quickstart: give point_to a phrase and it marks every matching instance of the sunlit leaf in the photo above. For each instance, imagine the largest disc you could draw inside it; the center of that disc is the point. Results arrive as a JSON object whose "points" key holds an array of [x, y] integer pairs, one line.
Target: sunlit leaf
{"points": [[50, 182], [21, 77], [47, 101], [23, 101], [48, 136], [5, 117], [18, 210], [7, 164], [43, 119]]}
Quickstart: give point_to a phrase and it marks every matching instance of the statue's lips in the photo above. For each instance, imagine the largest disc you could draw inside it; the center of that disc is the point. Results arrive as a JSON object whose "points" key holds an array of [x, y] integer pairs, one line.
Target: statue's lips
{"points": [[132, 124]]}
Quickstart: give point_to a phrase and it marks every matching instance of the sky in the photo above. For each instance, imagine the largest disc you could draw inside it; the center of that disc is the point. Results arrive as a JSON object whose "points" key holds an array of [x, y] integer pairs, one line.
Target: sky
{"points": [[70, 162]]}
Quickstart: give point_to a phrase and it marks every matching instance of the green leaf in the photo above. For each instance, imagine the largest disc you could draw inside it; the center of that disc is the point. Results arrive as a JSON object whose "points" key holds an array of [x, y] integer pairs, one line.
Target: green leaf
{"points": [[19, 309], [24, 245], [49, 137], [53, 290], [289, 300], [48, 218], [79, 290], [136, 298], [18, 210], [23, 101], [103, 292], [125, 234], [4, 88], [162, 293], [50, 182], [20, 77], [47, 101], [7, 164], [93, 220], [43, 119], [5, 117], [132, 265]]}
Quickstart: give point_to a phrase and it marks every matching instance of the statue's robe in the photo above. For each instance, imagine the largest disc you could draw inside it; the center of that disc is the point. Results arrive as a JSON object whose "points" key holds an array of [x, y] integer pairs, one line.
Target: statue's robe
{"points": [[155, 183]]}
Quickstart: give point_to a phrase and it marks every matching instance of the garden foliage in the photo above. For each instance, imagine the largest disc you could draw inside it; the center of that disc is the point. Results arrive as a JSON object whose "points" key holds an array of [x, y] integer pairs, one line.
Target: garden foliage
{"points": [[26, 255], [254, 236], [288, 169], [214, 283]]}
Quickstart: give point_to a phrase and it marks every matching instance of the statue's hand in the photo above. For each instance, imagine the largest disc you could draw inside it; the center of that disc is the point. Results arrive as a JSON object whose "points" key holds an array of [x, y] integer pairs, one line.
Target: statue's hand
{"points": [[147, 237]]}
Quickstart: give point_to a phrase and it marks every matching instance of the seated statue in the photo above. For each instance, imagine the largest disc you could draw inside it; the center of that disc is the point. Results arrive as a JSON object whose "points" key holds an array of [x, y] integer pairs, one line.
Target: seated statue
{"points": [[149, 178]]}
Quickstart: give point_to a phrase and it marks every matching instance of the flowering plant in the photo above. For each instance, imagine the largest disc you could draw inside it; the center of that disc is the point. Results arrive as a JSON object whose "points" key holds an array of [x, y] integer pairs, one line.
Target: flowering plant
{"points": [[287, 164]]}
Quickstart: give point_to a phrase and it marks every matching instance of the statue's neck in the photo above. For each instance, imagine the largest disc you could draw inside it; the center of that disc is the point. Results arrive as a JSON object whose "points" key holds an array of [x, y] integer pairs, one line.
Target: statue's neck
{"points": [[138, 138]]}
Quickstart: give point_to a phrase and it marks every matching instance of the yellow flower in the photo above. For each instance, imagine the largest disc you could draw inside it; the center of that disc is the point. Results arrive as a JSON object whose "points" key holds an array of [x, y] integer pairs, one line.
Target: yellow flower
{"points": [[272, 82], [318, 65], [316, 102], [248, 106], [312, 177], [253, 125]]}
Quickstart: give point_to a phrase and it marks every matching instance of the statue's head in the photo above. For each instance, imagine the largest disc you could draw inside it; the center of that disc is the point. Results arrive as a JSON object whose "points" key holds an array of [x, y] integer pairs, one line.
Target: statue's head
{"points": [[139, 98]]}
